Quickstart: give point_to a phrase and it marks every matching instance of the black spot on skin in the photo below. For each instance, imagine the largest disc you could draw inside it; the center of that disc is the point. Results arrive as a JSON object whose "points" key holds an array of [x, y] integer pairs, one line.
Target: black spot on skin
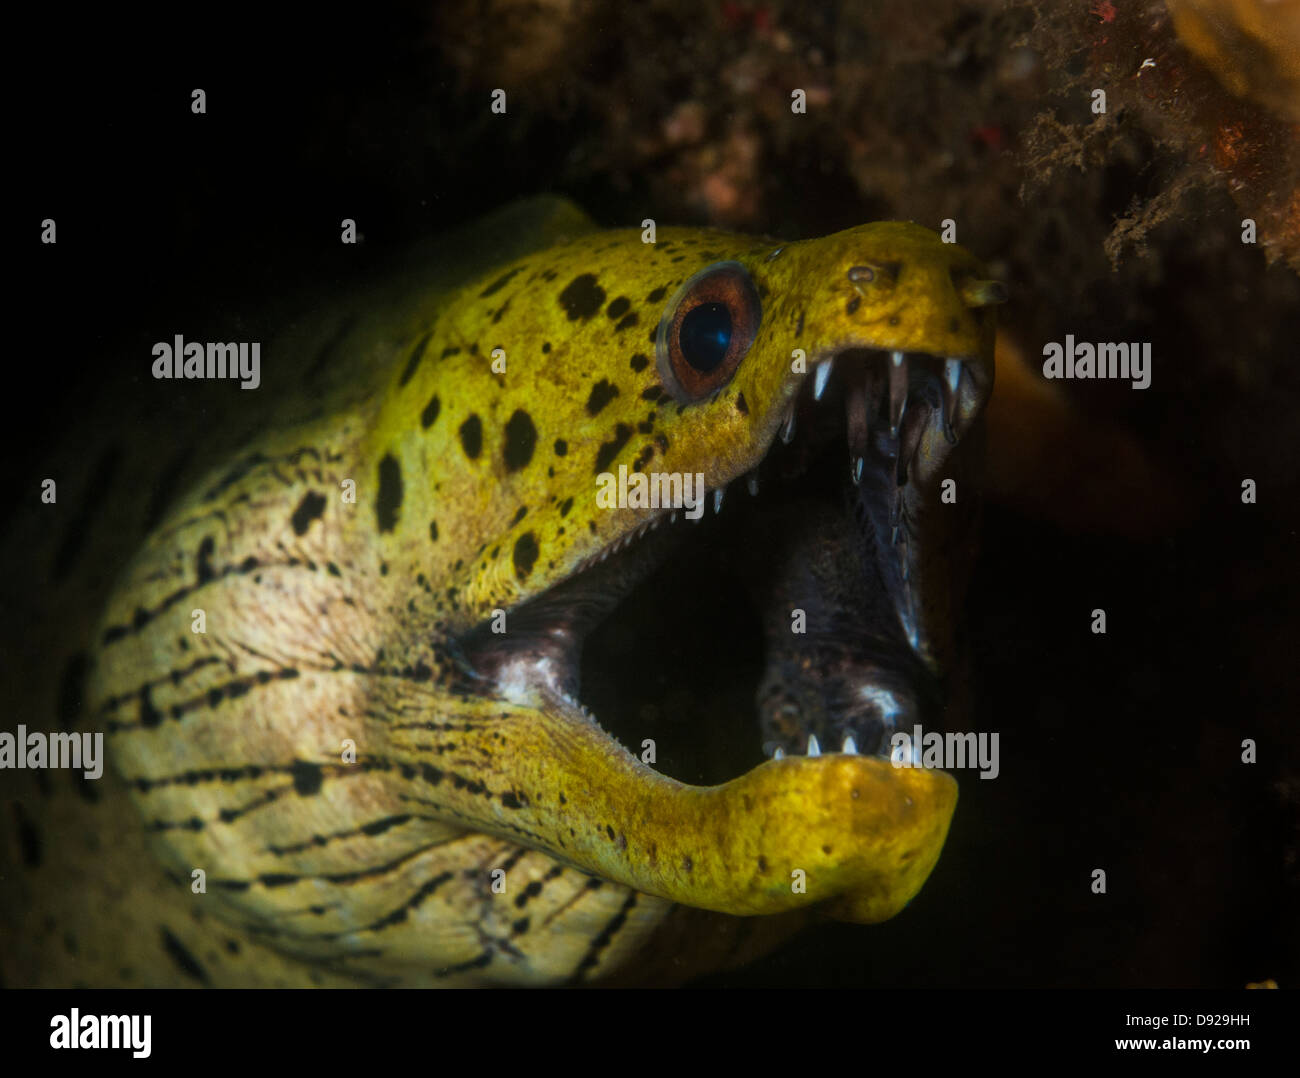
{"points": [[741, 406], [433, 530], [561, 447], [565, 506], [639, 362], [417, 354], [497, 316], [450, 350], [307, 778], [619, 307], [29, 838], [510, 801], [609, 450], [657, 295], [389, 499], [546, 347], [654, 334], [150, 716], [72, 689], [430, 413], [525, 555], [627, 323], [798, 326], [582, 298], [499, 283], [310, 508], [471, 437], [521, 437], [204, 560], [650, 394], [601, 394], [523, 512], [854, 304], [183, 959]]}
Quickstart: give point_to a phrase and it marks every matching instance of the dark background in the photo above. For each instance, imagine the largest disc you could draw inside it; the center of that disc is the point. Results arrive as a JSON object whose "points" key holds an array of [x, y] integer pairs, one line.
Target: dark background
{"points": [[1119, 752]]}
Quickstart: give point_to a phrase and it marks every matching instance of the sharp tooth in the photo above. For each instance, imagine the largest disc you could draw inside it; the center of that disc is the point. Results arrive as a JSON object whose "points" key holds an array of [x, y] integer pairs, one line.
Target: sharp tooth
{"points": [[910, 443], [717, 499], [897, 390], [850, 746], [814, 749], [821, 378], [672, 519], [752, 484], [787, 431], [856, 470], [778, 753], [950, 386]]}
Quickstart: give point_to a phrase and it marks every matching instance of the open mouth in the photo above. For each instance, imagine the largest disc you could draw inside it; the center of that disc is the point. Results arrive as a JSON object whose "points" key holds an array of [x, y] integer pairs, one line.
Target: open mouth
{"points": [[800, 592]]}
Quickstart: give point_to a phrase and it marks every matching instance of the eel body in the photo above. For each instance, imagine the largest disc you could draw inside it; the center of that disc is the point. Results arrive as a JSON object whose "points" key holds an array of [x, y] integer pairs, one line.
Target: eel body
{"points": [[332, 628]]}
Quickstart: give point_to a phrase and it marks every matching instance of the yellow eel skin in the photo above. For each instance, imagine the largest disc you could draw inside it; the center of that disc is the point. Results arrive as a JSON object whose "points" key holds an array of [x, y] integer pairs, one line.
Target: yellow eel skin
{"points": [[358, 799]]}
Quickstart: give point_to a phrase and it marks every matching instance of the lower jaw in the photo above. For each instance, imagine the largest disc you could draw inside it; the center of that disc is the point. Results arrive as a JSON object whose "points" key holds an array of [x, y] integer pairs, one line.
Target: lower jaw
{"points": [[853, 836]]}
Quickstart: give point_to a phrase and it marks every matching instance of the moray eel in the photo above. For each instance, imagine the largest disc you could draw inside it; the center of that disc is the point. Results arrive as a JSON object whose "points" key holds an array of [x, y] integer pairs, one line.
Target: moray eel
{"points": [[340, 678]]}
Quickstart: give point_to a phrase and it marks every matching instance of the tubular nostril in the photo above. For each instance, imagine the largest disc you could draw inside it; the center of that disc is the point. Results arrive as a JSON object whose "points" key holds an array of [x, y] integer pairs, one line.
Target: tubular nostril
{"points": [[983, 293]]}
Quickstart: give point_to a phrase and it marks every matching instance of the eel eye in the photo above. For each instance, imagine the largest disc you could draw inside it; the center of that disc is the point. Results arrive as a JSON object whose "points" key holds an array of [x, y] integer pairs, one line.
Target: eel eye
{"points": [[706, 330]]}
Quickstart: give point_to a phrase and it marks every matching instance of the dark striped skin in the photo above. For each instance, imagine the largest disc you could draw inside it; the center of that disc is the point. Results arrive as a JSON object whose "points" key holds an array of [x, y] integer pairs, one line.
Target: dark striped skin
{"points": [[262, 599], [316, 873]]}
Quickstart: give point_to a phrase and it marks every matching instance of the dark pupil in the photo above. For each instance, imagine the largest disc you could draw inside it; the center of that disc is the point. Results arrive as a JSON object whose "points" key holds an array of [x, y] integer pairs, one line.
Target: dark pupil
{"points": [[705, 335]]}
